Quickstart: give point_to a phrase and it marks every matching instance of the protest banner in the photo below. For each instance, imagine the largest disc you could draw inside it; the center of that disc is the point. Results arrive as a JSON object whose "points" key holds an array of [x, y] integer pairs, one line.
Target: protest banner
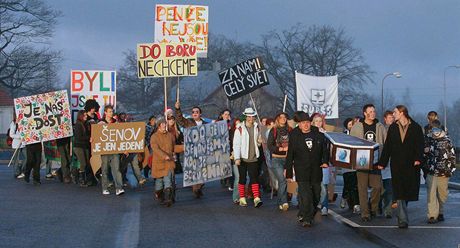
{"points": [[318, 95], [207, 153], [166, 60], [243, 78], [117, 138], [97, 85], [182, 23], [43, 117]]}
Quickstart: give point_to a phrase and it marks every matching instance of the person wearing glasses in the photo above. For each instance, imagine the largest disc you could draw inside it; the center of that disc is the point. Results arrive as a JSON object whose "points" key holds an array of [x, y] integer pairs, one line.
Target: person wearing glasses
{"points": [[196, 120]]}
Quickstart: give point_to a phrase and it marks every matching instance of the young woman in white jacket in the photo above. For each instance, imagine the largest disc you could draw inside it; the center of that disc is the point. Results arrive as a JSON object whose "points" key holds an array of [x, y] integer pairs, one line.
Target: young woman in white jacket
{"points": [[18, 145]]}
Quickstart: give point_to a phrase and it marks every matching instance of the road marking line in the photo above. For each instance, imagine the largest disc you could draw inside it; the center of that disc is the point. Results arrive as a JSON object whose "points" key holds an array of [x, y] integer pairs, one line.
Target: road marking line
{"points": [[356, 225], [128, 234]]}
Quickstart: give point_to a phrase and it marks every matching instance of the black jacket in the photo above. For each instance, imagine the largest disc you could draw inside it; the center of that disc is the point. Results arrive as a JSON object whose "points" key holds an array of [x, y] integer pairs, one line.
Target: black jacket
{"points": [[81, 136], [405, 177], [306, 161]]}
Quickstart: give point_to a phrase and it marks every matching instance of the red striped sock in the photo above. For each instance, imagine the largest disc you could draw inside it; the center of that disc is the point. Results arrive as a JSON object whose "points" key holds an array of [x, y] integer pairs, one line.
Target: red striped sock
{"points": [[241, 190], [255, 190]]}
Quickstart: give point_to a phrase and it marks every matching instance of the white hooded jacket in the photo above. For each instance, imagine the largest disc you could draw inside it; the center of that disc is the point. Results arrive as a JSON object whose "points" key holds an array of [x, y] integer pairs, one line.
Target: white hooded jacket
{"points": [[241, 141]]}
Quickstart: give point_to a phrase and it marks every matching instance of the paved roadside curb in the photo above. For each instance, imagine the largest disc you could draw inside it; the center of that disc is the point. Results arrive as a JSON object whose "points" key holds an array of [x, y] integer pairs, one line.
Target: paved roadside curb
{"points": [[454, 185], [362, 231]]}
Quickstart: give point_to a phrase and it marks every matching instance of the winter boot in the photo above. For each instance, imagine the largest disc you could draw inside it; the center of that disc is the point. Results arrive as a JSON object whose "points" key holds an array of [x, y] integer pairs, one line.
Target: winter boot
{"points": [[82, 179], [168, 197], [159, 196]]}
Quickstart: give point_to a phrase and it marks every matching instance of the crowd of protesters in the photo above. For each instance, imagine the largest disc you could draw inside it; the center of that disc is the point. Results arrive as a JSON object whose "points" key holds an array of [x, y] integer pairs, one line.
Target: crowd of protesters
{"points": [[297, 153]]}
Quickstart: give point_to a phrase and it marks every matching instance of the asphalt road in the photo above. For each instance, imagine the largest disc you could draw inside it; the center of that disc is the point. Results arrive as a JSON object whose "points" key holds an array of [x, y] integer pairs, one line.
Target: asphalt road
{"points": [[58, 215]]}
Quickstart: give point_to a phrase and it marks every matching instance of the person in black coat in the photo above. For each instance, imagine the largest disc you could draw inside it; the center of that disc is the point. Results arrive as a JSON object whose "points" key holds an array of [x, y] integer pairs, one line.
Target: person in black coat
{"points": [[308, 154], [404, 146]]}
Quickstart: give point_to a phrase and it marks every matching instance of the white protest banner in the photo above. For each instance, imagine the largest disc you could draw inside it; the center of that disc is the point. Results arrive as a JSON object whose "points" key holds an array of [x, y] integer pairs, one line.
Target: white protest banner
{"points": [[318, 95], [117, 138], [97, 85], [182, 23], [207, 153]]}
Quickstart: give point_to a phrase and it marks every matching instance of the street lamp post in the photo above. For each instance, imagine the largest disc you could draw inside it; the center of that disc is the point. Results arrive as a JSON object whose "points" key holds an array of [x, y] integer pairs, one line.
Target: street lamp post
{"points": [[397, 75], [444, 100]]}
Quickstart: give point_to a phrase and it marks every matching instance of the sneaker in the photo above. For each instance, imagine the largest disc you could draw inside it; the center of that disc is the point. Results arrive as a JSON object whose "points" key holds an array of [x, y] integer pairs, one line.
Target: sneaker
{"points": [[356, 209], [230, 189], [306, 223], [236, 202], [49, 176], [243, 202], [106, 192], [142, 181], [284, 207], [119, 191], [20, 176], [257, 202], [324, 211], [343, 203], [440, 217]]}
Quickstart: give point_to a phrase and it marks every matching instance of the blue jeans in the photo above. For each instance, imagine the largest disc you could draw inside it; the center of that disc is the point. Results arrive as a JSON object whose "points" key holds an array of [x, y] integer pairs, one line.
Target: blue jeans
{"points": [[236, 175], [112, 161], [277, 167], [402, 212], [164, 182], [324, 196], [19, 168], [387, 197]]}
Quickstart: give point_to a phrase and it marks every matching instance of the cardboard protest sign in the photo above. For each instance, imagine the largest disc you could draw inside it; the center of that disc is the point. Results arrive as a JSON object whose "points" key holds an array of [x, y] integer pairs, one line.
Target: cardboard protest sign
{"points": [[117, 138], [207, 153], [97, 85], [318, 95], [182, 23], [166, 60], [243, 78], [43, 117]]}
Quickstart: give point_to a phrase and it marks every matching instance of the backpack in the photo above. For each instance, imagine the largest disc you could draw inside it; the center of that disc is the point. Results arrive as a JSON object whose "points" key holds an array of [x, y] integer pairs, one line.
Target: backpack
{"points": [[9, 140]]}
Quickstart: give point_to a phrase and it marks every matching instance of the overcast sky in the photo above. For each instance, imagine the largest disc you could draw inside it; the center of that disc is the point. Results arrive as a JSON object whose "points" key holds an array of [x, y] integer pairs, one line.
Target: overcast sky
{"points": [[418, 38]]}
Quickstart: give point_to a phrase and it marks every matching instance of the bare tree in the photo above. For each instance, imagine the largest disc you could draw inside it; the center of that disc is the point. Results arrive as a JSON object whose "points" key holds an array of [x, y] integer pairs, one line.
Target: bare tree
{"points": [[135, 94], [25, 29], [318, 51], [227, 52]]}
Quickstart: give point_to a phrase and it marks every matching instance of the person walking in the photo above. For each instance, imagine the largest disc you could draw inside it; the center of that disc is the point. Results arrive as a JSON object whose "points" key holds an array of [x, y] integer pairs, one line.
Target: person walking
{"points": [[19, 148], [350, 194], [372, 130], [387, 195], [162, 143], [307, 154], [246, 141], [111, 161], [196, 120], [81, 146], [404, 145], [278, 142], [440, 166]]}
